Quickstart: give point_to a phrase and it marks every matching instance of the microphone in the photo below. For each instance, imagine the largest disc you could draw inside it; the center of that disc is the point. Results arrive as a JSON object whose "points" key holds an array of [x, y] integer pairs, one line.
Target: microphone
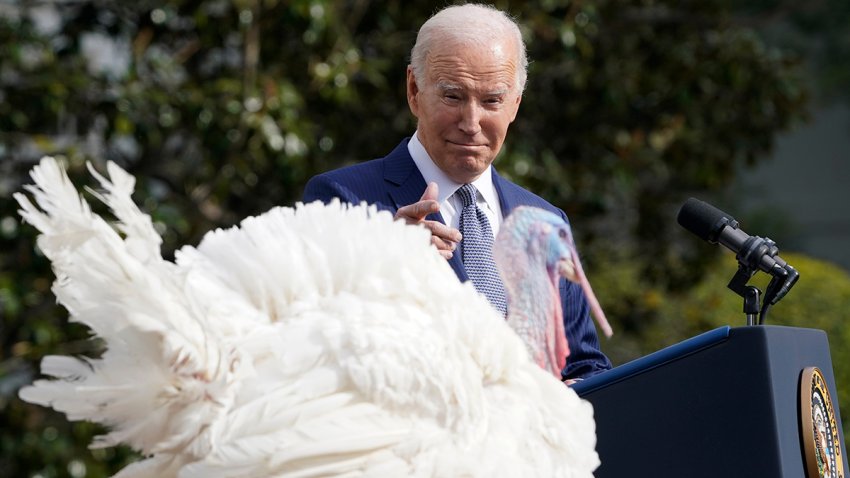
{"points": [[753, 252]]}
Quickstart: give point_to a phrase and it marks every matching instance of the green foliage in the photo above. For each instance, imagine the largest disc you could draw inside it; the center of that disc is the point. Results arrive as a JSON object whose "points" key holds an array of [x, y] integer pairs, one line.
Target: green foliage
{"points": [[224, 108]]}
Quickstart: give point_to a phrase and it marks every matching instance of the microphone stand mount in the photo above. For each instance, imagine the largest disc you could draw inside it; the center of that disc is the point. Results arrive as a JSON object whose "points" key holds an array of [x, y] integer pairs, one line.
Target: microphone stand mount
{"points": [[750, 293], [782, 279]]}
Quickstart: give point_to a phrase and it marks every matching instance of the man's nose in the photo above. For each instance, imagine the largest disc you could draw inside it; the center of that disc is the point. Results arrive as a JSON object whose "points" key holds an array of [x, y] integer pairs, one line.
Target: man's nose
{"points": [[470, 118]]}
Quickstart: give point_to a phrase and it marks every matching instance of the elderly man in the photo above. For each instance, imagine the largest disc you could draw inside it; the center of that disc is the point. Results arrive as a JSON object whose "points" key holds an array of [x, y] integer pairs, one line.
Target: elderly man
{"points": [[464, 86]]}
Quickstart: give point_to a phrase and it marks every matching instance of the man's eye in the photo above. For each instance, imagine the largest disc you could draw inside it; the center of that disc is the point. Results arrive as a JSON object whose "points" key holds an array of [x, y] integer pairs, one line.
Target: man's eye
{"points": [[493, 102]]}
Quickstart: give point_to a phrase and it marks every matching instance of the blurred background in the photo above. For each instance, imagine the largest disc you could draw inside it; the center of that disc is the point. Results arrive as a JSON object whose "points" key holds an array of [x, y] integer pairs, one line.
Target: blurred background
{"points": [[223, 109]]}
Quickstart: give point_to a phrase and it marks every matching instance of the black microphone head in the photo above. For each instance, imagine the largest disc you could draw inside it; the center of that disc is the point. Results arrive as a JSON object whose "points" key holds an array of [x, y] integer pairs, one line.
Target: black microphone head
{"points": [[704, 220]]}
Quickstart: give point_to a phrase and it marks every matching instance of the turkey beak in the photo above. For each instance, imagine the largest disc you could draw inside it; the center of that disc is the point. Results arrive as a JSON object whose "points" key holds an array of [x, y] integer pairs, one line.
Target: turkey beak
{"points": [[567, 270]]}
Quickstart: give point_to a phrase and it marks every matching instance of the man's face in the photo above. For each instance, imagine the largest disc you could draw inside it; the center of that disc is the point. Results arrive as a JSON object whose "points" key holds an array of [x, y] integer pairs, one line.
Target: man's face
{"points": [[464, 105]]}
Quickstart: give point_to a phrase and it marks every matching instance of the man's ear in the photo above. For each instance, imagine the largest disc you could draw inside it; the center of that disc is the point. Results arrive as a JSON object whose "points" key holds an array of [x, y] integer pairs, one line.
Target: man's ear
{"points": [[412, 92]]}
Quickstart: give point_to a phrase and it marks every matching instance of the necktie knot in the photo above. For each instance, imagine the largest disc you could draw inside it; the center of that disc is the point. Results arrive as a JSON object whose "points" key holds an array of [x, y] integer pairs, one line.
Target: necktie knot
{"points": [[467, 194]]}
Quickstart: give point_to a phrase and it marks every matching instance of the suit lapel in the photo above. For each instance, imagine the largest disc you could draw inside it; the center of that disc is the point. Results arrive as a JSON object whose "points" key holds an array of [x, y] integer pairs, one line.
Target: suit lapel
{"points": [[457, 266], [507, 201], [405, 185]]}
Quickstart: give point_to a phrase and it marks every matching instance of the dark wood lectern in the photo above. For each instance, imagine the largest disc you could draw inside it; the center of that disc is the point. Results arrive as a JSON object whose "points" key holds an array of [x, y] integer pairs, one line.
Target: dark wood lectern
{"points": [[724, 404]]}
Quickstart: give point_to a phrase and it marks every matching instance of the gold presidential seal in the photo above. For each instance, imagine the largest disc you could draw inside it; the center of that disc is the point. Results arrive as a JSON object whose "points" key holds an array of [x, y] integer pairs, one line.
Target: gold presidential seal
{"points": [[822, 447]]}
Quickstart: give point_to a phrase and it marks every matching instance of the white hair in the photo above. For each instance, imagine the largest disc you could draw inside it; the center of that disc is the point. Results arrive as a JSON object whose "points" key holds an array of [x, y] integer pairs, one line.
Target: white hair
{"points": [[471, 23]]}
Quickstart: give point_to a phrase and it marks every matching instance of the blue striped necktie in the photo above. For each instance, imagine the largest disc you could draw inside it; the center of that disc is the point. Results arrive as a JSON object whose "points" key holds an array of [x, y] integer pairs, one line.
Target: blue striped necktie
{"points": [[477, 249]]}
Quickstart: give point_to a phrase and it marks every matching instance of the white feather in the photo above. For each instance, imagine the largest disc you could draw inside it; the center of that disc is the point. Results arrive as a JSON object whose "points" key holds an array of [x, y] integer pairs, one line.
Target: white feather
{"points": [[314, 341]]}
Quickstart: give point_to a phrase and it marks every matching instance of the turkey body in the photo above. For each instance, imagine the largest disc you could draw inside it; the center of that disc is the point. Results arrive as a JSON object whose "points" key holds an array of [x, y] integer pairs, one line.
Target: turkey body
{"points": [[308, 341]]}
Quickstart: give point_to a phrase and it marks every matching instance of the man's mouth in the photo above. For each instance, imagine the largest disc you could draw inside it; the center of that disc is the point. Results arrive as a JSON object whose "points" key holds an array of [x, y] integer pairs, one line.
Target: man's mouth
{"points": [[467, 145]]}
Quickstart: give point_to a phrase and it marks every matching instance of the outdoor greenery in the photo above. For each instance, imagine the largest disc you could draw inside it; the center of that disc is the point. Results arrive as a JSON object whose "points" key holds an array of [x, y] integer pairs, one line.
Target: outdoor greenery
{"points": [[224, 108]]}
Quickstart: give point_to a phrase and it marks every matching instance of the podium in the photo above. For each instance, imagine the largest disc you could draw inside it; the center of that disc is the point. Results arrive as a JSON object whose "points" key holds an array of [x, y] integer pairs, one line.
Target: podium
{"points": [[726, 403]]}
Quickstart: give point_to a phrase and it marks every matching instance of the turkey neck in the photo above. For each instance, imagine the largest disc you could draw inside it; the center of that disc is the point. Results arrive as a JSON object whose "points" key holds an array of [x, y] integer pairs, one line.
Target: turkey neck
{"points": [[534, 311]]}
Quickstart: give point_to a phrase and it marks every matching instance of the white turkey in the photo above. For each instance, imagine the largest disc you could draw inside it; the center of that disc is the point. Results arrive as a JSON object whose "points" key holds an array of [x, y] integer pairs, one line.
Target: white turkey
{"points": [[314, 341]]}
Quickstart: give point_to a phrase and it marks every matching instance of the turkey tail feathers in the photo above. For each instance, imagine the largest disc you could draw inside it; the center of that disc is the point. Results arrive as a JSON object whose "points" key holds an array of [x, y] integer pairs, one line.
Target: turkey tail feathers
{"points": [[159, 358]]}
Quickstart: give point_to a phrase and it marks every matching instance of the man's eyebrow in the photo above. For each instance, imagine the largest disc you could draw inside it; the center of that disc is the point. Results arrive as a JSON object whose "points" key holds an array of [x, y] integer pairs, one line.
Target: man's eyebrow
{"points": [[499, 92], [445, 86]]}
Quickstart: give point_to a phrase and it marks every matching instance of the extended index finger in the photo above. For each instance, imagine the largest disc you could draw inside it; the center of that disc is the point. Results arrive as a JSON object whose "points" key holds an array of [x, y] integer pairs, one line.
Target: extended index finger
{"points": [[417, 211]]}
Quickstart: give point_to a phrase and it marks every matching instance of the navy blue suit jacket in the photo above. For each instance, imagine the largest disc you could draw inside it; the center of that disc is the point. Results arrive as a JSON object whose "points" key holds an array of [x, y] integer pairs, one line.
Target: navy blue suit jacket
{"points": [[395, 181]]}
